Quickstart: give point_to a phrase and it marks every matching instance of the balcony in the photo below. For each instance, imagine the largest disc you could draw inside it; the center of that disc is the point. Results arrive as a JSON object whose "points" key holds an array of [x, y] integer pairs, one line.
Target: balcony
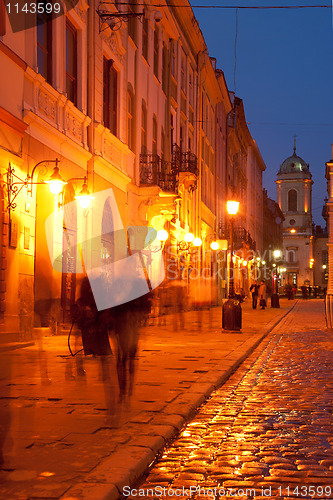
{"points": [[241, 236], [156, 172], [184, 161]]}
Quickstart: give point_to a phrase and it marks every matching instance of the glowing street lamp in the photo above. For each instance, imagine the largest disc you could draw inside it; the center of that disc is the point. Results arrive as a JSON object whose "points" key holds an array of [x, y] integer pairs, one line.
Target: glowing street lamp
{"points": [[162, 235], [84, 197], [231, 310], [214, 245]]}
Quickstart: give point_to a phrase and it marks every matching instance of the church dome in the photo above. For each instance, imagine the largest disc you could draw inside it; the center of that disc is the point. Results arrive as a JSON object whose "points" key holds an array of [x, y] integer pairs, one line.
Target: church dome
{"points": [[293, 165]]}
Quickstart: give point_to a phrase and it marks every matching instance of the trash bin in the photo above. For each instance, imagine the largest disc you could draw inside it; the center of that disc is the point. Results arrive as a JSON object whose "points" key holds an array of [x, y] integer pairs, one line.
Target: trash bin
{"points": [[275, 300], [231, 315]]}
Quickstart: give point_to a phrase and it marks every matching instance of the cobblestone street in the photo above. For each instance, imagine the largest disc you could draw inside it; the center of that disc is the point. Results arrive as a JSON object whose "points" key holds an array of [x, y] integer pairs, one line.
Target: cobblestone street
{"points": [[268, 431]]}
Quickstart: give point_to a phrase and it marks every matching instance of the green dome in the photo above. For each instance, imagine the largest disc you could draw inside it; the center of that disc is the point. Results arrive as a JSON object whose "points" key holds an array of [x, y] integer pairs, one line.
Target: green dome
{"points": [[293, 165]]}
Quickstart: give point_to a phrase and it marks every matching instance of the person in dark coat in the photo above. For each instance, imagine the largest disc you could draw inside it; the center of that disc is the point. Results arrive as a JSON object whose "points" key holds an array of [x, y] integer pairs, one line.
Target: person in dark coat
{"points": [[93, 324], [254, 291]]}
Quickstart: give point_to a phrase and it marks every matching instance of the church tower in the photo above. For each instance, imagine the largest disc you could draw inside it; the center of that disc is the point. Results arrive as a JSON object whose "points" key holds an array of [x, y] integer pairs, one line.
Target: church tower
{"points": [[294, 195]]}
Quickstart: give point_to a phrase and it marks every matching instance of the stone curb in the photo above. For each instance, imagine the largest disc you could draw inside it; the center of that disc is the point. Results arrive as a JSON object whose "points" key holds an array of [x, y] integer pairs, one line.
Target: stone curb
{"points": [[11, 346], [128, 464]]}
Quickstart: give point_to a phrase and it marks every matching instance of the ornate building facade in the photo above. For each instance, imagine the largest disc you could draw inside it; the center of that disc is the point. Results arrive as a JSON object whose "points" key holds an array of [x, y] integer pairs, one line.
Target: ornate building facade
{"points": [[124, 99]]}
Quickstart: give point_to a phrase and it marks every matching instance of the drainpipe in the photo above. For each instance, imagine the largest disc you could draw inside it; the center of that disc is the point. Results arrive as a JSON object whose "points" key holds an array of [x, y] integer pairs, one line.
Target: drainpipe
{"points": [[91, 88]]}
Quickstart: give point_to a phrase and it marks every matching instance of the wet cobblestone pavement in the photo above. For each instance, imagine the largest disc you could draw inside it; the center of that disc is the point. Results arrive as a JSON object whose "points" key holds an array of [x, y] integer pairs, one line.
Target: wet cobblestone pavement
{"points": [[267, 433]]}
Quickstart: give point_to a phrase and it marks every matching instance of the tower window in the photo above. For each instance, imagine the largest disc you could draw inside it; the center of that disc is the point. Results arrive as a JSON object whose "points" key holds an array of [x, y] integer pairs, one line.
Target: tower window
{"points": [[292, 201]]}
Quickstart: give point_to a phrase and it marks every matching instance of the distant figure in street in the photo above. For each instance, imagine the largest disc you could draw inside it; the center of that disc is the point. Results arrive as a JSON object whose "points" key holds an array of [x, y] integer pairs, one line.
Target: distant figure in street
{"points": [[294, 291], [304, 292], [289, 291], [254, 291], [310, 291], [262, 294], [179, 302]]}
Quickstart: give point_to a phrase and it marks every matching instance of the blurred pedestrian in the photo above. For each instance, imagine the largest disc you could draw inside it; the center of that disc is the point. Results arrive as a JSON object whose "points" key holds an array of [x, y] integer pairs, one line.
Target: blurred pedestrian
{"points": [[179, 301], [254, 291], [93, 324], [289, 291], [294, 291], [127, 318], [304, 290]]}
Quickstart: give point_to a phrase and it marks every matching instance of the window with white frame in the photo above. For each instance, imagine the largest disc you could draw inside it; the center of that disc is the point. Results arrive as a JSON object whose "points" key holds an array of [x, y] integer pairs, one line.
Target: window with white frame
{"points": [[71, 62], [110, 97], [44, 46], [156, 49], [143, 127]]}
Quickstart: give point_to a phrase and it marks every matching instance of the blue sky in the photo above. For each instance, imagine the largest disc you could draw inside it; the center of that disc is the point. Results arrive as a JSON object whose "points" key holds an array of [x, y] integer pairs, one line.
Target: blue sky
{"points": [[284, 74]]}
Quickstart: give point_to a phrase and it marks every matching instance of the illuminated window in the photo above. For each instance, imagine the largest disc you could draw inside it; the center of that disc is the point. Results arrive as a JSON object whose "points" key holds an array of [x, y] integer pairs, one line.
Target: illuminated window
{"points": [[292, 200]]}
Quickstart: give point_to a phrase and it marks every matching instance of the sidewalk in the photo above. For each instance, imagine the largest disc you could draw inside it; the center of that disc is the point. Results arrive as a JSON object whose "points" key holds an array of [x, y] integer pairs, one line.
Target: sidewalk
{"points": [[59, 443]]}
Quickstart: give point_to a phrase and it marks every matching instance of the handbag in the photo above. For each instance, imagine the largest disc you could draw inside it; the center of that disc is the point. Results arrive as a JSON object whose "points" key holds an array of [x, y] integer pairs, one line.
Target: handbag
{"points": [[262, 302]]}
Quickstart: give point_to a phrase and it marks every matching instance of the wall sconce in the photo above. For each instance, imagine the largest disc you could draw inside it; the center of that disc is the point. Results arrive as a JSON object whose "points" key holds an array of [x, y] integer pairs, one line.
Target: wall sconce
{"points": [[15, 183], [162, 235], [55, 183], [190, 244], [214, 245], [84, 197], [114, 20]]}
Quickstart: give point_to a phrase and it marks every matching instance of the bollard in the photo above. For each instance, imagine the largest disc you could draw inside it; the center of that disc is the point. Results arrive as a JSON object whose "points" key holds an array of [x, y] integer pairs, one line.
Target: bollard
{"points": [[275, 300], [231, 315]]}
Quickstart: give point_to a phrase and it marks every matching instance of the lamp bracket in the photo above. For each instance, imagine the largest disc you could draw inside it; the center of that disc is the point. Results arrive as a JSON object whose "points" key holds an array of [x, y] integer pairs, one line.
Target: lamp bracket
{"points": [[15, 183], [114, 20]]}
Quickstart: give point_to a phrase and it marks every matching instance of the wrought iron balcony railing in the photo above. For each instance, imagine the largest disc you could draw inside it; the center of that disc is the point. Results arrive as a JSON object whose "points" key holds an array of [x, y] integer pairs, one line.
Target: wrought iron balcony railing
{"points": [[156, 172], [241, 235], [184, 161]]}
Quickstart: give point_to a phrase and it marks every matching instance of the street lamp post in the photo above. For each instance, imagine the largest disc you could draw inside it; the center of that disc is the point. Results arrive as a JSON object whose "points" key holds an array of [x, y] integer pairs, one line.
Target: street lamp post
{"points": [[275, 301], [231, 309]]}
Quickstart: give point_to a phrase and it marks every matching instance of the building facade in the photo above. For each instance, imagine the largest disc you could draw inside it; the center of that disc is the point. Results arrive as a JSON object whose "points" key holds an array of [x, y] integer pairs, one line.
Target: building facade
{"points": [[126, 101]]}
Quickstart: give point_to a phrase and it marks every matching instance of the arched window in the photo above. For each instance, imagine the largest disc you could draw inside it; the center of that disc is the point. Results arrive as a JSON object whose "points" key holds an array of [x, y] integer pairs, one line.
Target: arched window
{"points": [[292, 200]]}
